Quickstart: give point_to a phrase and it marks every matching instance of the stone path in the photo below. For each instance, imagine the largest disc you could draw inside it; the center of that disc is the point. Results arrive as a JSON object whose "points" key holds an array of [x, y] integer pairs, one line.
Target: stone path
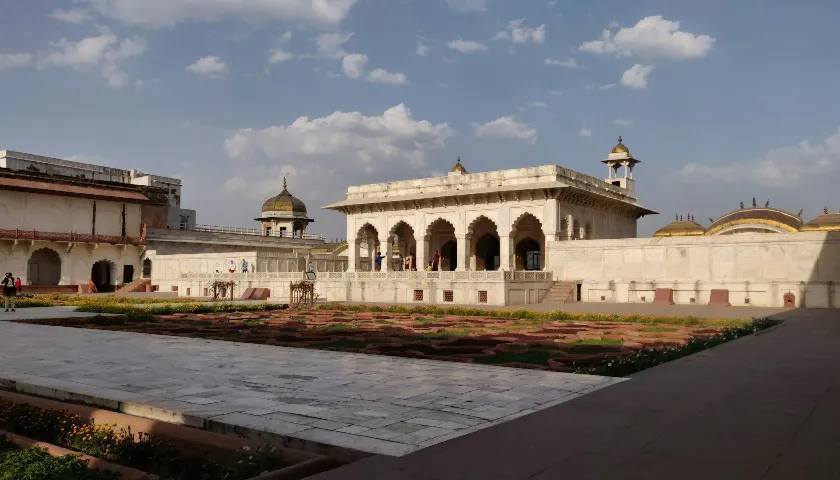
{"points": [[36, 313], [368, 403], [765, 406]]}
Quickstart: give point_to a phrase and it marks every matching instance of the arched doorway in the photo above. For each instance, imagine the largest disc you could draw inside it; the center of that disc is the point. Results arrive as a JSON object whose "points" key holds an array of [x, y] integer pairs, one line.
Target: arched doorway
{"points": [[529, 243], [441, 235], [102, 276], [147, 268], [528, 255], [369, 237], [404, 246], [44, 267], [484, 244]]}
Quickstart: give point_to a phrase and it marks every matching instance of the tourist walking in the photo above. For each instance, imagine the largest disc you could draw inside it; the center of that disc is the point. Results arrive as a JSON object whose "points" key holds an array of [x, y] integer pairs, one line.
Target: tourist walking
{"points": [[244, 266], [18, 286], [436, 261], [9, 291], [378, 261]]}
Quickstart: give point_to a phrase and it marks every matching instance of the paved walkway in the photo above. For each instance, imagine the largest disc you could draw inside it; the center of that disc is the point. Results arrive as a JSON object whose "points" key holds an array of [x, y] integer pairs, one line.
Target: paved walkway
{"points": [[368, 403], [762, 407], [43, 313]]}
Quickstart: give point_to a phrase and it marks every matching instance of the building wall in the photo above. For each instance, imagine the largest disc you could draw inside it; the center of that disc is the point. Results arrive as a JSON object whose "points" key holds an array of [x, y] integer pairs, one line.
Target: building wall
{"points": [[757, 269], [75, 262], [64, 214]]}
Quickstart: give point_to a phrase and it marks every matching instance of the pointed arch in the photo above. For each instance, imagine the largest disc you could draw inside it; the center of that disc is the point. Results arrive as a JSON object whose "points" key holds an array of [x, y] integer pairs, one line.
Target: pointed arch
{"points": [[44, 267], [484, 244], [403, 244], [528, 242], [442, 244], [368, 235]]}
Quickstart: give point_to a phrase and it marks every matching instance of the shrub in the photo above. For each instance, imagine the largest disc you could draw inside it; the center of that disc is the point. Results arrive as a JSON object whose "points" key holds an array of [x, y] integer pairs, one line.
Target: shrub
{"points": [[36, 463]]}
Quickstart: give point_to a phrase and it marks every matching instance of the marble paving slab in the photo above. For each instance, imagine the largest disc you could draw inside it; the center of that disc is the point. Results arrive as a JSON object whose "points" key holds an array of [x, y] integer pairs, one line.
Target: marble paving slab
{"points": [[364, 403]]}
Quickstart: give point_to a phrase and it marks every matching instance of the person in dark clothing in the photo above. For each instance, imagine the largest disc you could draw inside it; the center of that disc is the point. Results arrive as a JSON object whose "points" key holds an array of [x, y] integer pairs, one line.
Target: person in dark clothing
{"points": [[9, 291], [436, 261]]}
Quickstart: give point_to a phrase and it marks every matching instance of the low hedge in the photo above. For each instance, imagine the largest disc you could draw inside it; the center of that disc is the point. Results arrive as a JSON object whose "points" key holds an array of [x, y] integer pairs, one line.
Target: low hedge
{"points": [[649, 357], [165, 309], [558, 315]]}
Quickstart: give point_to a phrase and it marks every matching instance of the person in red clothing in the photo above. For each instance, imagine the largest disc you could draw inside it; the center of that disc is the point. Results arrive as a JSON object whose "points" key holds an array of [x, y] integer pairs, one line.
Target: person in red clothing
{"points": [[436, 261], [18, 286]]}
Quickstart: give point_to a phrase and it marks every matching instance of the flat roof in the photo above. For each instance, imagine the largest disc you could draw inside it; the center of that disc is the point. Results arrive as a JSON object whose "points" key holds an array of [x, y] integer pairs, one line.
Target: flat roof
{"points": [[65, 189]]}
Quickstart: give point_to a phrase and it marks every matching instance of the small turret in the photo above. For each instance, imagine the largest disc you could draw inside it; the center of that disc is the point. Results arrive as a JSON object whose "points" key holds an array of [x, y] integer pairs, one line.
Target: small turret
{"points": [[620, 156]]}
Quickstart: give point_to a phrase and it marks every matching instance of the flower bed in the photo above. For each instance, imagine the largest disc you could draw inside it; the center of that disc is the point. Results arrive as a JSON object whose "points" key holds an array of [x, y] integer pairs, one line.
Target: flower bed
{"points": [[36, 463], [562, 342], [138, 450]]}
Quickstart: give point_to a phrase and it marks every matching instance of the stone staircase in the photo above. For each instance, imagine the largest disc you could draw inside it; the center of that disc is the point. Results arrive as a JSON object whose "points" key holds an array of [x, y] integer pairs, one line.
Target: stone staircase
{"points": [[138, 285], [561, 292]]}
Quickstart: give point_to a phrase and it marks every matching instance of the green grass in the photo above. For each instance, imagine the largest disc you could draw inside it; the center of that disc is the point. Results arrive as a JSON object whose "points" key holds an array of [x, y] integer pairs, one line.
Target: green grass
{"points": [[599, 341], [530, 316], [336, 327], [254, 322], [658, 329]]}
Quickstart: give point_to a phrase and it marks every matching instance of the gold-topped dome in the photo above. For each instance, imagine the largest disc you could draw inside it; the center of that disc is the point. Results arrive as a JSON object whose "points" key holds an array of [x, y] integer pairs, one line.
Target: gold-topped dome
{"points": [[620, 147], [827, 222], [458, 167], [681, 228], [756, 219], [285, 202]]}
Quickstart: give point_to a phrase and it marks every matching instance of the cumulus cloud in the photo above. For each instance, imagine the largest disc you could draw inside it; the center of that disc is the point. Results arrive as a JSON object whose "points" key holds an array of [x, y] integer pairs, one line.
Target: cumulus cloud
{"points": [[70, 16], [507, 128], [636, 76], [278, 55], [354, 65], [585, 132], [785, 167], [518, 32], [570, 63], [652, 38], [380, 75], [466, 46], [331, 45], [323, 155], [167, 13], [422, 49], [622, 122], [210, 66], [9, 61], [105, 52], [466, 6]]}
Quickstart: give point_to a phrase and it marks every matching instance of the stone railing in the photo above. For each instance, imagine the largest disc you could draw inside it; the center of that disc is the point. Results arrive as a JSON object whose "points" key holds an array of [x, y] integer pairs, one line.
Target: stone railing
{"points": [[253, 231], [70, 237], [497, 275]]}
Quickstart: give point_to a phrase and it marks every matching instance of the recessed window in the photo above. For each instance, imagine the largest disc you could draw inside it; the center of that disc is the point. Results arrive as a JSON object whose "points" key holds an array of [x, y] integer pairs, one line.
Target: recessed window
{"points": [[482, 296], [448, 296], [418, 295], [174, 288]]}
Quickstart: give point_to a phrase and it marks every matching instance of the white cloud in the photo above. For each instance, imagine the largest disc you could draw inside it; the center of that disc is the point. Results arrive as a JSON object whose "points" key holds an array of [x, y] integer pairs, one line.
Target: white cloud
{"points": [[538, 105], [606, 86], [104, 51], [210, 66], [636, 76], [379, 75], [70, 16], [585, 132], [556, 93], [9, 61], [518, 32], [321, 156], [788, 167], [652, 37], [278, 55], [330, 45], [622, 122], [465, 6], [354, 65], [422, 49], [466, 46], [570, 63], [167, 13], [507, 127], [286, 37]]}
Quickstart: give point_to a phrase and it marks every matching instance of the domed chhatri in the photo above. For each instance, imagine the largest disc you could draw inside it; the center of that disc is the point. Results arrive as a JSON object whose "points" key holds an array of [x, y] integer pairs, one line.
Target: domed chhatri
{"points": [[620, 157], [284, 215], [756, 219], [458, 167], [681, 228]]}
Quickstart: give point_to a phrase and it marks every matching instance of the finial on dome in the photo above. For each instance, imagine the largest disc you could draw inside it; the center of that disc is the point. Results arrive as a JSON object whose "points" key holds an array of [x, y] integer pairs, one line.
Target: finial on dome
{"points": [[458, 167], [742, 205], [284, 182], [825, 210], [620, 139], [754, 202]]}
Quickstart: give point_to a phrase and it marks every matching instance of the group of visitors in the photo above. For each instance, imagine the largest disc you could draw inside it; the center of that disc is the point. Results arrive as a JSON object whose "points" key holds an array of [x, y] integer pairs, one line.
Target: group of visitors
{"points": [[11, 287], [433, 265]]}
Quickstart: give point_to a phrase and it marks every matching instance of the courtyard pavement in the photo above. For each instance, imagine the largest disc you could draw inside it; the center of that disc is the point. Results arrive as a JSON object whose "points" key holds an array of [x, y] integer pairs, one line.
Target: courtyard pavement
{"points": [[765, 406], [44, 313], [312, 398]]}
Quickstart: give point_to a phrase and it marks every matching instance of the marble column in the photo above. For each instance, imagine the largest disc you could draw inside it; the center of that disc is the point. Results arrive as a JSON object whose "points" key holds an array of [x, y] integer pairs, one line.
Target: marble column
{"points": [[504, 253], [462, 253]]}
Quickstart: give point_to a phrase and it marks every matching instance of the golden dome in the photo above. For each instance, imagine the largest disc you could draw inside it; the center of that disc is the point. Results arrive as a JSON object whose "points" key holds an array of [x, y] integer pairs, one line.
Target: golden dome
{"points": [[681, 228], [458, 167], [756, 220], [284, 202], [827, 222], [620, 148]]}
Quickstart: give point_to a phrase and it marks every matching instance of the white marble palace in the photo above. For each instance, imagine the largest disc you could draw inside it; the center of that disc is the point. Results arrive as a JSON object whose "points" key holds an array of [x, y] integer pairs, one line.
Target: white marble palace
{"points": [[506, 237]]}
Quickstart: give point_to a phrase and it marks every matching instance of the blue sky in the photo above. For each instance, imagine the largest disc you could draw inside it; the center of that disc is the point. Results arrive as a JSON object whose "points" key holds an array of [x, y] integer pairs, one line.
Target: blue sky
{"points": [[722, 101]]}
